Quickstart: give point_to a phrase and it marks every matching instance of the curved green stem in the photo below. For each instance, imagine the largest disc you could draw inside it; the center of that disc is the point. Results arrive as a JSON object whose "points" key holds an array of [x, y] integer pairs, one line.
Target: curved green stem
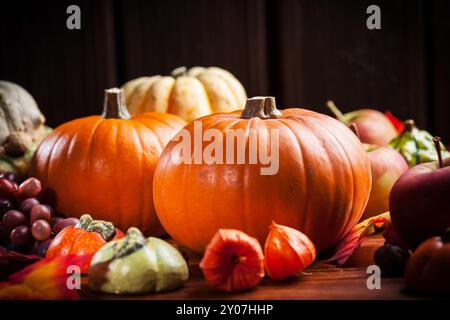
{"points": [[335, 111], [437, 144]]}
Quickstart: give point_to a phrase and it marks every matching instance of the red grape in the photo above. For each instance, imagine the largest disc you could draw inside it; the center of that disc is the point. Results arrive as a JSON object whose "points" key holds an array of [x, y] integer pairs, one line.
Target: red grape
{"points": [[7, 189], [26, 206], [5, 205], [41, 230], [40, 211], [10, 176], [41, 247], [391, 259], [28, 189], [50, 209], [20, 236], [65, 223], [12, 219]]}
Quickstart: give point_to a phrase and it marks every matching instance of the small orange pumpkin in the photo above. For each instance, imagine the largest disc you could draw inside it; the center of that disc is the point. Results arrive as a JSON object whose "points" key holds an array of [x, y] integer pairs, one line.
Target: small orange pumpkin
{"points": [[104, 164], [321, 187], [85, 238]]}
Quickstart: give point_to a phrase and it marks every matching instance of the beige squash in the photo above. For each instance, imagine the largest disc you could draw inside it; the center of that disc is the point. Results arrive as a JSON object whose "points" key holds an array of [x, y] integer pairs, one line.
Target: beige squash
{"points": [[22, 127], [187, 93]]}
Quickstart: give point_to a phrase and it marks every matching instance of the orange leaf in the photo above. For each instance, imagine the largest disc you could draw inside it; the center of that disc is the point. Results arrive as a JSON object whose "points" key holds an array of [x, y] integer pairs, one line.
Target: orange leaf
{"points": [[46, 279], [345, 248]]}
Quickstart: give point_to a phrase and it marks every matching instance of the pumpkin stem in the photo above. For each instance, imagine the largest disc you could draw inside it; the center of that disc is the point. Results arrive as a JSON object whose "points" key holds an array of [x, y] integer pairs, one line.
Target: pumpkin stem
{"points": [[355, 130], [270, 108], [178, 72], [84, 221], [133, 241], [261, 107], [437, 144], [104, 228], [114, 104], [409, 125], [335, 111]]}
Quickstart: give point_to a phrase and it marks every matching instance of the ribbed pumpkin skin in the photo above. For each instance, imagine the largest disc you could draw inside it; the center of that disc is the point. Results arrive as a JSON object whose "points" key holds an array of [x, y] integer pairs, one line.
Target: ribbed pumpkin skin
{"points": [[105, 167], [195, 93], [321, 188]]}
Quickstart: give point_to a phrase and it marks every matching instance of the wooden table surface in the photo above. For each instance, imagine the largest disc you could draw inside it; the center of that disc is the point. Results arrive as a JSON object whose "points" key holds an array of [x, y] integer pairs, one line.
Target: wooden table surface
{"points": [[320, 281]]}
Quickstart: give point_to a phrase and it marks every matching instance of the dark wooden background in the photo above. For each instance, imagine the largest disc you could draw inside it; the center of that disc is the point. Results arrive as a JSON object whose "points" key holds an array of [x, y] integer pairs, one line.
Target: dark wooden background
{"points": [[301, 51]]}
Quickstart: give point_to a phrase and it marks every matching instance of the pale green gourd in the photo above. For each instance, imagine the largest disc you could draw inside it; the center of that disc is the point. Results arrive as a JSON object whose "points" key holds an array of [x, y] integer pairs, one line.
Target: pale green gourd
{"points": [[416, 146], [135, 264]]}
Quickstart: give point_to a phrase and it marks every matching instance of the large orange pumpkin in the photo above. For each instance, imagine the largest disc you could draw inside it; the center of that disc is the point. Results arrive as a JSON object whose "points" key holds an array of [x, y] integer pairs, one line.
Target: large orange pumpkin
{"points": [[321, 188], [103, 165]]}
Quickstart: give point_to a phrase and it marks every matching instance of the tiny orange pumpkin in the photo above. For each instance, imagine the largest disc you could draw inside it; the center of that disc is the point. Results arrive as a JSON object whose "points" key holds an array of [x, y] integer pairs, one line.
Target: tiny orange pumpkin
{"points": [[85, 238]]}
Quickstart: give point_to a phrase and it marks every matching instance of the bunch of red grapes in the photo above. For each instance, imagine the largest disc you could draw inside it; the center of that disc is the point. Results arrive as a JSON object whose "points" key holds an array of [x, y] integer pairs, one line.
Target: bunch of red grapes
{"points": [[27, 226]]}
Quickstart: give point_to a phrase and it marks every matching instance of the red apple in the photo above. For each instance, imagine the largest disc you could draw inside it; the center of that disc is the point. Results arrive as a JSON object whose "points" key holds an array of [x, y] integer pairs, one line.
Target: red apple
{"points": [[373, 126], [387, 166], [418, 202]]}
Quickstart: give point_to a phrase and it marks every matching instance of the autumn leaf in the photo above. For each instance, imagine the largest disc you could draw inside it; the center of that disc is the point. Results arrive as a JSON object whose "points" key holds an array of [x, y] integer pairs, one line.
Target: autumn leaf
{"points": [[46, 279], [11, 262], [353, 239]]}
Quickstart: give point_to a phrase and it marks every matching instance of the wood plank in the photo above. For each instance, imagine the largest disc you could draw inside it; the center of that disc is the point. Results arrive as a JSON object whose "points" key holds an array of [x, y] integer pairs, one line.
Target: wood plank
{"points": [[438, 51], [156, 37], [65, 70], [326, 52], [303, 52]]}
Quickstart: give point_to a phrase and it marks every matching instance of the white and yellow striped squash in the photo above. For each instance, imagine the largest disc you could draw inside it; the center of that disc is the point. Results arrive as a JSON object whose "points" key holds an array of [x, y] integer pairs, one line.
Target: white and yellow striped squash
{"points": [[187, 93]]}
